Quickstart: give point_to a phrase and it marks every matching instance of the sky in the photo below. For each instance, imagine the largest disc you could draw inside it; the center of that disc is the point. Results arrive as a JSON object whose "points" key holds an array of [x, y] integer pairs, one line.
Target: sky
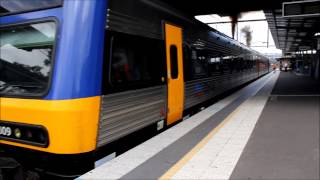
{"points": [[260, 30]]}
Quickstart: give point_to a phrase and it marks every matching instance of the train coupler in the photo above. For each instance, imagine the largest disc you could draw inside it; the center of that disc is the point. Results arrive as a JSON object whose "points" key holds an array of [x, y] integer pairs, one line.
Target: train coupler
{"points": [[10, 169]]}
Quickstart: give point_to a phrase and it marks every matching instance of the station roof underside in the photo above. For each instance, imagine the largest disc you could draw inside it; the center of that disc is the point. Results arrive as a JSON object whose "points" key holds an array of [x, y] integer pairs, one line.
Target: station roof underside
{"points": [[222, 7], [293, 34], [289, 34]]}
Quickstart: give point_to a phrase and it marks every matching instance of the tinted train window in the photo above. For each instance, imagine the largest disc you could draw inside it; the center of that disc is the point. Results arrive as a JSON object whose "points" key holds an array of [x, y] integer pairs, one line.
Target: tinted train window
{"points": [[187, 64], [214, 65], [174, 61], [199, 69], [134, 62], [231, 66], [200, 63], [237, 64]]}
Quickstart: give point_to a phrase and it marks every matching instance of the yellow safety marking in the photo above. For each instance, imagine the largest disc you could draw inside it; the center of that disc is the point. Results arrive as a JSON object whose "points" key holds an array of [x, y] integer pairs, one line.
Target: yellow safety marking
{"points": [[186, 158]]}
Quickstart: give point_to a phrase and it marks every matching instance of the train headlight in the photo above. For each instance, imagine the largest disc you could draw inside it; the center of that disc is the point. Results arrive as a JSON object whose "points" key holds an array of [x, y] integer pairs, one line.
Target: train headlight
{"points": [[24, 133], [17, 133]]}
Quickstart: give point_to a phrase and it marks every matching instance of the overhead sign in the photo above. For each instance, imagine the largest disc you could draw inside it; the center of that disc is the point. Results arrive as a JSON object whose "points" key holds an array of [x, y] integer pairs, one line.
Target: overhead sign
{"points": [[306, 8]]}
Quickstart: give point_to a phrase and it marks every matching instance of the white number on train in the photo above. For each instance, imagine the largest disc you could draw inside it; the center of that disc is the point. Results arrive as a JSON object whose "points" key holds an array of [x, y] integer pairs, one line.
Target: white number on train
{"points": [[5, 131]]}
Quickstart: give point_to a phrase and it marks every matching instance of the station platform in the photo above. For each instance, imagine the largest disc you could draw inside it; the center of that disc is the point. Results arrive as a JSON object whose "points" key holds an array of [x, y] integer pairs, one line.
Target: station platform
{"points": [[267, 130]]}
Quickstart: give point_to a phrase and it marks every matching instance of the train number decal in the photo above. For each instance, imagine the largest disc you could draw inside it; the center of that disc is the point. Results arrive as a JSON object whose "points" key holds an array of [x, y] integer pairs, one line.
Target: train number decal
{"points": [[5, 131]]}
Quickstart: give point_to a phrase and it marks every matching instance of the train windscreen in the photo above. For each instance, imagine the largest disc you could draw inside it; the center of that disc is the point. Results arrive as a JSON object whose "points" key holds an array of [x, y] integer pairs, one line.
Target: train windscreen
{"points": [[16, 6], [26, 58]]}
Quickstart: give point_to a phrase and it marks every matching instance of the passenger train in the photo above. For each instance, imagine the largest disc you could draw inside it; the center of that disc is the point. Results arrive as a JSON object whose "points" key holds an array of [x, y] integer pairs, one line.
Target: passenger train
{"points": [[78, 75]]}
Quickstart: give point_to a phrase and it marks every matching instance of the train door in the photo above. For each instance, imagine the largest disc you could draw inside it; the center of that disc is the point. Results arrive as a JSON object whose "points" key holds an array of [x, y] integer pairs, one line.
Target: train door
{"points": [[173, 38]]}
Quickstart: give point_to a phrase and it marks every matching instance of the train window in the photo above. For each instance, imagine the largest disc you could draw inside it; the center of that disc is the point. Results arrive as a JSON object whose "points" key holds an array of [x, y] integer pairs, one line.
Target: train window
{"points": [[134, 62], [187, 63], [199, 69], [238, 64], [221, 66], [26, 53], [174, 61], [200, 60], [214, 65], [226, 63], [231, 66]]}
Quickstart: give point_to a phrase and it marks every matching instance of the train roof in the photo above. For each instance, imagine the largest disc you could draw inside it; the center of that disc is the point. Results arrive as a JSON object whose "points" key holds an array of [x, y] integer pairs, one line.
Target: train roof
{"points": [[146, 18]]}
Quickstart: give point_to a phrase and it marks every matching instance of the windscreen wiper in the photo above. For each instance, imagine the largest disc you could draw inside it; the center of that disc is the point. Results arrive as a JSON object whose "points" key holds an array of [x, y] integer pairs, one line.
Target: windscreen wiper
{"points": [[16, 88]]}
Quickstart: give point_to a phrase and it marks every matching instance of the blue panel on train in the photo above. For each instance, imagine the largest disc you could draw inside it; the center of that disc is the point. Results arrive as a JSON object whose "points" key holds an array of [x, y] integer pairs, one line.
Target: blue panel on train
{"points": [[78, 66]]}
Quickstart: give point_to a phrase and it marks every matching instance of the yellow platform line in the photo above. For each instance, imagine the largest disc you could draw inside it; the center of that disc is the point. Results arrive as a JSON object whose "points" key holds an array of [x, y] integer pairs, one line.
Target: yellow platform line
{"points": [[186, 158]]}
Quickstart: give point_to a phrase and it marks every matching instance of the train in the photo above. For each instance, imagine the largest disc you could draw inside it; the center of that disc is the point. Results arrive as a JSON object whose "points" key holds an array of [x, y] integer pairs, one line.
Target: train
{"points": [[78, 75]]}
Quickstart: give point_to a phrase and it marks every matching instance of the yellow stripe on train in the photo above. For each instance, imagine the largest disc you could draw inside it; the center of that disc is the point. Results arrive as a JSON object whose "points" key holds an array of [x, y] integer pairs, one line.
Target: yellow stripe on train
{"points": [[72, 124]]}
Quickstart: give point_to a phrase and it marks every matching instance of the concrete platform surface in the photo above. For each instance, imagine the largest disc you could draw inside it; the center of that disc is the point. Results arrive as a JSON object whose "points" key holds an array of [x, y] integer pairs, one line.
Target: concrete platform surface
{"points": [[267, 130], [291, 84], [285, 142]]}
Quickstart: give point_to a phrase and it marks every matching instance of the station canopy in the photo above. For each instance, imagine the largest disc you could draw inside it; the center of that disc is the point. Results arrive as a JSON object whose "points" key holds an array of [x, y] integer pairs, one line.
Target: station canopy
{"points": [[290, 34]]}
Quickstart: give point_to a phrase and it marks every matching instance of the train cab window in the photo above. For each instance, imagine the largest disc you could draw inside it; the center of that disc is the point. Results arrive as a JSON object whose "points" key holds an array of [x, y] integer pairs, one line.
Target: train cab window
{"points": [[26, 58], [174, 61], [133, 62]]}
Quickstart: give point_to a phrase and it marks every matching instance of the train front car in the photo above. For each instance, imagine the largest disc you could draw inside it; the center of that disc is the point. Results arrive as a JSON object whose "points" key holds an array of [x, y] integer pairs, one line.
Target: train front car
{"points": [[50, 82]]}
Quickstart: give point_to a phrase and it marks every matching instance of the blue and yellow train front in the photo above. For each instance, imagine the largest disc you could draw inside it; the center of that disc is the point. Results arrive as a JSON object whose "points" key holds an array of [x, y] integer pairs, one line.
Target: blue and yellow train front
{"points": [[50, 79]]}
